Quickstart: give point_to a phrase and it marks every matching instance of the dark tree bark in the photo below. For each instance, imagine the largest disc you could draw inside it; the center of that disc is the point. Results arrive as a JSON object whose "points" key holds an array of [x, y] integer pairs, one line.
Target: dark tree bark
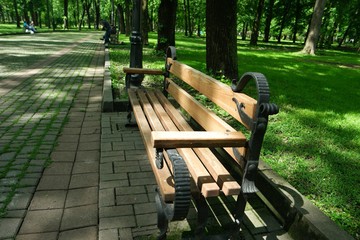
{"points": [[127, 18], [256, 25], [65, 17], [269, 16], [283, 19], [189, 18], [297, 19], [145, 22], [97, 14], [16, 13], [120, 11], [244, 31], [221, 38], [314, 29], [185, 18], [166, 24]]}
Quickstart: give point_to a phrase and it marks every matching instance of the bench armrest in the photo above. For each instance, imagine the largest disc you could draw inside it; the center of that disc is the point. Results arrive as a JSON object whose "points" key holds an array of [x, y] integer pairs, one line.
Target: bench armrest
{"points": [[195, 139], [142, 71]]}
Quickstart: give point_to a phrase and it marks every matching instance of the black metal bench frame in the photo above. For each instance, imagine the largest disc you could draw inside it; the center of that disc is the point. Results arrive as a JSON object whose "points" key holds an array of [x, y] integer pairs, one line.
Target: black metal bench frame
{"points": [[178, 208]]}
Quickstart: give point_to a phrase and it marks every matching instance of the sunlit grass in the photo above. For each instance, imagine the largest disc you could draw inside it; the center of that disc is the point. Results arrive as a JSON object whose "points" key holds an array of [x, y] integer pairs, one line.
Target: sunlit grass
{"points": [[314, 142]]}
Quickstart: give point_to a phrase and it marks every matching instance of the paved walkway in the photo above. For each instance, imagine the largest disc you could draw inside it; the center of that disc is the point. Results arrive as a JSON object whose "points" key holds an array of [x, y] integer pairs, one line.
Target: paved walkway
{"points": [[51, 92], [68, 171]]}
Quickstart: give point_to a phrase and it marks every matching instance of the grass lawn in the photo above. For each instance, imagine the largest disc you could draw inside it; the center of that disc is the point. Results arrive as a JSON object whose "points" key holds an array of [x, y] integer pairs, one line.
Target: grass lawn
{"points": [[314, 142]]}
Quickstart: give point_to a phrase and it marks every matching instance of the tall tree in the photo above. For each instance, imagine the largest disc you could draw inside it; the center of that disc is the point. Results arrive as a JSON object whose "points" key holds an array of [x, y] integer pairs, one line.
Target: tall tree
{"points": [[314, 29], [16, 13], [298, 9], [284, 18], [166, 24], [145, 22], [127, 18], [256, 25], [269, 16], [221, 36], [66, 17], [121, 18]]}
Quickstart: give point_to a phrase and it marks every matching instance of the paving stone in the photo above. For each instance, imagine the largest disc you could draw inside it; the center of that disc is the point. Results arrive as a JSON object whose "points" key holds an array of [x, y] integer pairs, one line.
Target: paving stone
{"points": [[37, 221], [84, 180], [67, 146], [146, 219], [143, 208], [87, 146], [125, 233], [142, 181], [72, 130], [109, 234], [20, 201], [54, 182], [130, 190], [48, 200], [82, 196], [78, 217], [87, 156], [38, 236], [131, 199], [29, 181], [88, 233], [106, 197], [115, 211], [113, 176], [56, 168], [9, 227], [116, 222], [85, 167], [17, 213], [114, 184], [68, 138]]}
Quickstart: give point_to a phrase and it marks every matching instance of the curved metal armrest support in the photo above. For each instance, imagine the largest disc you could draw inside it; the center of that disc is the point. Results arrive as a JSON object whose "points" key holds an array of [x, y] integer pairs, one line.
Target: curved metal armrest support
{"points": [[257, 126]]}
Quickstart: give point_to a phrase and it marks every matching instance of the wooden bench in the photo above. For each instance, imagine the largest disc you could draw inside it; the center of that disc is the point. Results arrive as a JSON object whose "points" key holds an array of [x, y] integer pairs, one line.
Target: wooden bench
{"points": [[182, 157]]}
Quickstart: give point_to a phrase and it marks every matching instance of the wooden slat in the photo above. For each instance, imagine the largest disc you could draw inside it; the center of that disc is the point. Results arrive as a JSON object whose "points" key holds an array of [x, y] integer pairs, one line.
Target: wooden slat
{"points": [[142, 71], [184, 139], [223, 178], [206, 118], [163, 176], [216, 91], [198, 172]]}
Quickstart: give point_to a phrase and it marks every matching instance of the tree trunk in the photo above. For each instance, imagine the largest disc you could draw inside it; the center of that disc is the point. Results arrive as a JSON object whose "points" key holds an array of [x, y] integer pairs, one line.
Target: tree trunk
{"points": [[189, 19], [166, 24], [256, 25], [283, 19], [185, 19], [221, 38], [16, 14], [314, 29], [65, 17], [127, 18], [97, 14], [121, 19], [145, 22], [297, 19], [244, 31], [269, 16]]}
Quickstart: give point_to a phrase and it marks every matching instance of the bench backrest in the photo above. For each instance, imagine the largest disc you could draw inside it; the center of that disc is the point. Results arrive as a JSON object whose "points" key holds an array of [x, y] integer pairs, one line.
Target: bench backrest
{"points": [[251, 113]]}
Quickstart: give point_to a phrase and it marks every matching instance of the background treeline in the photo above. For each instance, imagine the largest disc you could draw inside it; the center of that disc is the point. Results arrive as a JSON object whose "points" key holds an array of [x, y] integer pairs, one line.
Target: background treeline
{"points": [[278, 20]]}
